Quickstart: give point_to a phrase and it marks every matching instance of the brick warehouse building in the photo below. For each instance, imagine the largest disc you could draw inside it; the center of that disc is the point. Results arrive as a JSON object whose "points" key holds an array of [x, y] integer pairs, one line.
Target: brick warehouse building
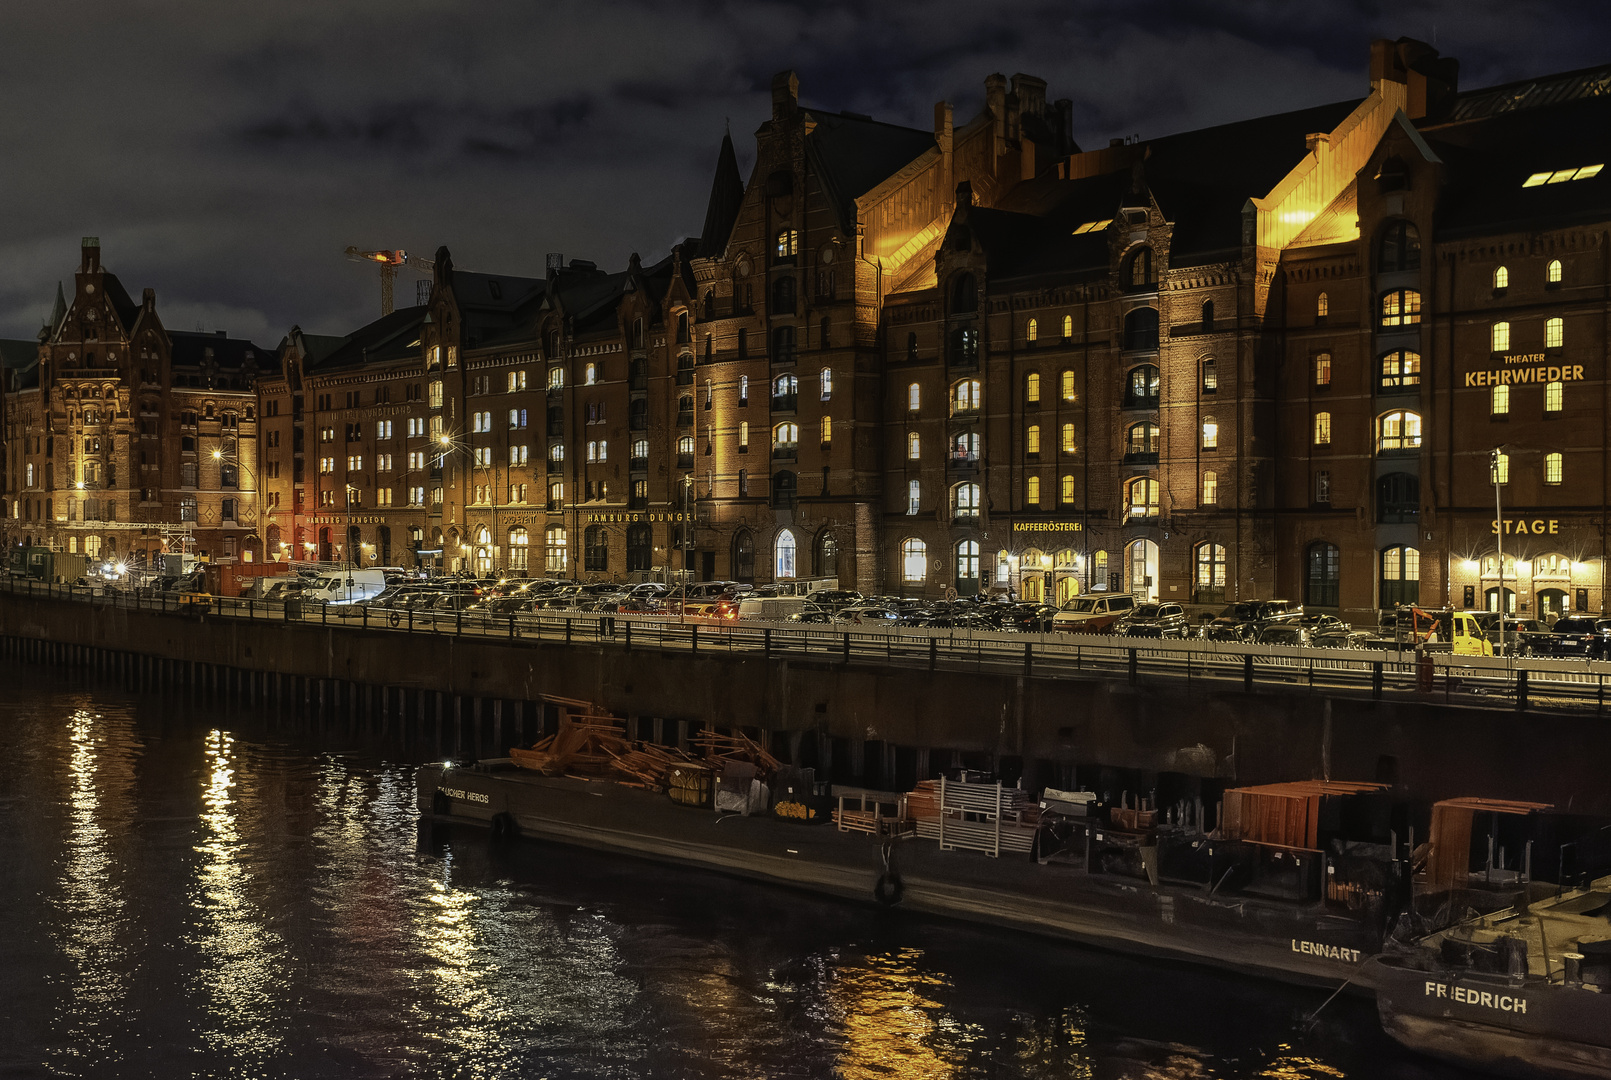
{"points": [[124, 437], [1268, 358]]}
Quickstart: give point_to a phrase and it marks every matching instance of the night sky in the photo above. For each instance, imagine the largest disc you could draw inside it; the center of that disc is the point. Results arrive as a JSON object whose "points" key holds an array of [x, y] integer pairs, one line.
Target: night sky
{"points": [[227, 153]]}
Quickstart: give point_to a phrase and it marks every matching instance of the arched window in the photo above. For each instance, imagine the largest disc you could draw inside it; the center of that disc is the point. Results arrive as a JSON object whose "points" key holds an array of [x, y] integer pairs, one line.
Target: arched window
{"points": [[914, 397], [1400, 368], [1141, 498], [1066, 439], [914, 446], [1323, 569], [1141, 329], [1500, 337], [1032, 388], [273, 535], [967, 580], [682, 328], [558, 557], [914, 497], [1398, 431], [783, 563], [1322, 306], [1141, 438], [783, 345], [685, 452], [825, 383], [1031, 331], [1552, 275], [1401, 307], [965, 502], [1499, 401], [1322, 369], [744, 556], [964, 294], [1208, 315], [1141, 391], [639, 546], [1501, 278], [1210, 487], [1399, 247], [785, 489], [785, 439], [1322, 429], [1138, 272], [1032, 440], [787, 244], [1032, 491], [1552, 468], [519, 545], [1554, 333], [1210, 433], [1499, 468], [1065, 490], [784, 392], [1068, 327], [1209, 584], [710, 305], [1401, 577], [965, 345], [1398, 498], [965, 397], [825, 556], [1554, 393], [966, 447], [1066, 385], [783, 295], [914, 562], [827, 430]]}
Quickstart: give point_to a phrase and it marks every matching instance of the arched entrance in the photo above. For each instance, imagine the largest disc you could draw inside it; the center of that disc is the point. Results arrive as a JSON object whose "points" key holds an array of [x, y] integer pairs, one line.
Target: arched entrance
{"points": [[1141, 569], [1490, 600], [1032, 575], [1552, 604]]}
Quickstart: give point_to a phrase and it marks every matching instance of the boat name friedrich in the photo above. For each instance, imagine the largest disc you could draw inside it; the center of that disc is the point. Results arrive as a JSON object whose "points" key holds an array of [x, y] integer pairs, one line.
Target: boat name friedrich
{"points": [[1330, 952], [464, 796], [1482, 998]]}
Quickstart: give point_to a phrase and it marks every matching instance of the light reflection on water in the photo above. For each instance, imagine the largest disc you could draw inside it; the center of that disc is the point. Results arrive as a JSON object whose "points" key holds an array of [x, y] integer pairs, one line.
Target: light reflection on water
{"points": [[224, 896]]}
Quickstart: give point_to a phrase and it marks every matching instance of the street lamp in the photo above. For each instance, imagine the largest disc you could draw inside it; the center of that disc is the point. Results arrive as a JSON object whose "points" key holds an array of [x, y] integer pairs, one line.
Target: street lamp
{"points": [[221, 456], [1494, 462]]}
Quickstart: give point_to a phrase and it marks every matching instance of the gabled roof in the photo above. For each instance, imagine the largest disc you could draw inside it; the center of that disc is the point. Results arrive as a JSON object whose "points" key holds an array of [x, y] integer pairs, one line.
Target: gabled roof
{"points": [[491, 305], [127, 310], [854, 154], [388, 339], [726, 195], [194, 349]]}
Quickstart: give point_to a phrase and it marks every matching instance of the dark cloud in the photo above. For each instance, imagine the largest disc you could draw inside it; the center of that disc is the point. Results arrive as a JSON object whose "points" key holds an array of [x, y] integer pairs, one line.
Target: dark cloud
{"points": [[226, 154]]}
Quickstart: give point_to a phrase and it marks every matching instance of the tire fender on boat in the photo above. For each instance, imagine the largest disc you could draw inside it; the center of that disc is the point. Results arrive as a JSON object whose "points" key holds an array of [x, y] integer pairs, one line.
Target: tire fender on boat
{"points": [[889, 889], [504, 828], [441, 805]]}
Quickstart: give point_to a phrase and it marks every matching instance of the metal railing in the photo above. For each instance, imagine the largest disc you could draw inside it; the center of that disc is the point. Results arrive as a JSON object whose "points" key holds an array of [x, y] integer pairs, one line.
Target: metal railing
{"points": [[1483, 681]]}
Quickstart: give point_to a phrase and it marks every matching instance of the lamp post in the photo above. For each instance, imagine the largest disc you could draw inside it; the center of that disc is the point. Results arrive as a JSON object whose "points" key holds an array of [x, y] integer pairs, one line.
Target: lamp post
{"points": [[1494, 460], [219, 455], [685, 536]]}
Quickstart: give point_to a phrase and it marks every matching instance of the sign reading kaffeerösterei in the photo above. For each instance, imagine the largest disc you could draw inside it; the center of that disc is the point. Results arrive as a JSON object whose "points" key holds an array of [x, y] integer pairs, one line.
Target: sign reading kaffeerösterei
{"points": [[1048, 526], [1525, 368]]}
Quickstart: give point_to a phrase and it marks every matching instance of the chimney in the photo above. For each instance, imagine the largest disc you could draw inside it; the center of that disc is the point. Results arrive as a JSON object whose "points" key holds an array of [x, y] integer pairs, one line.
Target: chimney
{"points": [[148, 299], [996, 102], [785, 95], [944, 138], [89, 261], [1031, 93]]}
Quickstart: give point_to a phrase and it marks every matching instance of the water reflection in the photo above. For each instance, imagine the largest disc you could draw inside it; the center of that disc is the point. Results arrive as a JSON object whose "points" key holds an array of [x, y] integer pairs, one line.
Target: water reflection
{"points": [[240, 954], [90, 916]]}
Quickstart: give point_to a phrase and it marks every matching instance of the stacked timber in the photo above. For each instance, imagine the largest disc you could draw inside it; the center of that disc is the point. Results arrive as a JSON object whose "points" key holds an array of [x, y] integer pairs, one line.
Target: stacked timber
{"points": [[973, 816]]}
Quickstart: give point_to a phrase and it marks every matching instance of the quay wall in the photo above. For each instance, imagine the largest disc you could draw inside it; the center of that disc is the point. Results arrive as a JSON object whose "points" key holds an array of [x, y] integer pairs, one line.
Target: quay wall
{"points": [[879, 724]]}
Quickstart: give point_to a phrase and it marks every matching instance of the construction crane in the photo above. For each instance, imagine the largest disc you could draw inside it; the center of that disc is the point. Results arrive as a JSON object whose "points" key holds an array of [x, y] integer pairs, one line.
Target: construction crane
{"points": [[389, 262]]}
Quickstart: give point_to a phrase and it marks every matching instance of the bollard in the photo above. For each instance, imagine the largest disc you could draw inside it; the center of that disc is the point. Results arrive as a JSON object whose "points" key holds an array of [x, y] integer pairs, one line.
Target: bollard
{"points": [[1247, 673]]}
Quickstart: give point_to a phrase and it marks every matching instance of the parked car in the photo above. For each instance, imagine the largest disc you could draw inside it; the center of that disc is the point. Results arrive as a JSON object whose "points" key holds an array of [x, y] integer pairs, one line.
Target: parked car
{"points": [[867, 614], [1573, 637], [834, 599], [812, 615], [1156, 620], [1093, 614], [1282, 633], [1243, 620]]}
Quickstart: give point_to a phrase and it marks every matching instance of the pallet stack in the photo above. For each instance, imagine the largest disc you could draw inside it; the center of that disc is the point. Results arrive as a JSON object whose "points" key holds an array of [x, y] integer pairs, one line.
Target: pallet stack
{"points": [[974, 817]]}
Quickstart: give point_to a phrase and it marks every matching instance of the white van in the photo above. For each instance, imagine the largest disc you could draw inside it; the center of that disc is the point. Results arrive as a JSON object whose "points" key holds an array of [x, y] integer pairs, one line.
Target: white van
{"points": [[345, 585], [1093, 613], [771, 607]]}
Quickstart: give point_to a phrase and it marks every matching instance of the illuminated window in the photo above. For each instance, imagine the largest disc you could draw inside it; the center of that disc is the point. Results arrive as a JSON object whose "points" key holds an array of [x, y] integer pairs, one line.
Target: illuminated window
{"points": [[1210, 377], [1561, 176], [1501, 337], [1032, 439], [1553, 393], [914, 562], [1401, 576], [1400, 368], [1499, 468], [1141, 498], [1399, 248], [1142, 438], [914, 495], [1499, 403], [1066, 490], [590, 375], [1210, 573], [965, 396], [1323, 486], [785, 437], [1068, 386], [1501, 278], [743, 436], [1401, 307], [1067, 441], [1323, 369], [1400, 430], [965, 501], [1554, 333], [1552, 468], [685, 446], [914, 397], [827, 430], [1032, 389], [1322, 306], [1552, 275], [1068, 327], [1210, 433], [788, 244], [784, 565], [558, 551], [825, 384], [914, 446], [1210, 488], [556, 378], [1032, 491], [1031, 331], [1322, 429]]}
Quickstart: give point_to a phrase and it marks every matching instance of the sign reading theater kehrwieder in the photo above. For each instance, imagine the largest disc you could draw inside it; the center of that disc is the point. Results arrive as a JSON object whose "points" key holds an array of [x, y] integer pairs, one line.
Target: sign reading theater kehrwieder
{"points": [[1525, 368]]}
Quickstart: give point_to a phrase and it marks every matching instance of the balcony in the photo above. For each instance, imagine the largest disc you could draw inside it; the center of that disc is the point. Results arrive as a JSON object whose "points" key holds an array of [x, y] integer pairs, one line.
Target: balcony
{"points": [[638, 502], [554, 506], [785, 453], [685, 419], [685, 461], [556, 468], [965, 519], [1141, 457], [638, 464], [1134, 401], [784, 402]]}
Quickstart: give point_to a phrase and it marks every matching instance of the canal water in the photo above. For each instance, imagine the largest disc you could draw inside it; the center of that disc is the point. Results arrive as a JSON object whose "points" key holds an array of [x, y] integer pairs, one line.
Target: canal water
{"points": [[190, 890]]}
